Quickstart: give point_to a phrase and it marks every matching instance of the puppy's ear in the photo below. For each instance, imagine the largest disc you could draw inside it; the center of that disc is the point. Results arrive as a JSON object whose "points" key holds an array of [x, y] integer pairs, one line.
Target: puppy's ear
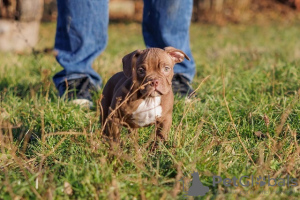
{"points": [[129, 62], [176, 54]]}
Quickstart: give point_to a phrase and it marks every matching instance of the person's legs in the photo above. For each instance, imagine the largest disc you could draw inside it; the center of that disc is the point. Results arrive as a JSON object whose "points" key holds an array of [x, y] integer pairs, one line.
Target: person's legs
{"points": [[166, 23], [81, 35]]}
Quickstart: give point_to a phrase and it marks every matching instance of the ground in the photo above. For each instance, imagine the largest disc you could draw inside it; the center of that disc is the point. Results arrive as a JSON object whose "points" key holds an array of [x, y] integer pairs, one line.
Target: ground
{"points": [[244, 122]]}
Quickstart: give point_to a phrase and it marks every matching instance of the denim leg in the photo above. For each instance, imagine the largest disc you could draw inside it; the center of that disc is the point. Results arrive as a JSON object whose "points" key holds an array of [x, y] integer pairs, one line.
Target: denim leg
{"points": [[166, 23], [81, 35]]}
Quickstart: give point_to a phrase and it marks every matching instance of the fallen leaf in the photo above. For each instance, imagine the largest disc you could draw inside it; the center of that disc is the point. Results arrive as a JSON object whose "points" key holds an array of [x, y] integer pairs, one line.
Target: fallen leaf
{"points": [[68, 188], [259, 134]]}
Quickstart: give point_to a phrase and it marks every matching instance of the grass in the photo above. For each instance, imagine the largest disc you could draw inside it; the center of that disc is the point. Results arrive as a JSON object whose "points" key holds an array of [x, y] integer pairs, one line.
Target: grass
{"points": [[245, 121]]}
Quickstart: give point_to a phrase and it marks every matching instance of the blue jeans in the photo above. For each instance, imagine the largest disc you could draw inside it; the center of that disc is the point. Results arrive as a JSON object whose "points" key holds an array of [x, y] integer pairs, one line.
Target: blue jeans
{"points": [[81, 35]]}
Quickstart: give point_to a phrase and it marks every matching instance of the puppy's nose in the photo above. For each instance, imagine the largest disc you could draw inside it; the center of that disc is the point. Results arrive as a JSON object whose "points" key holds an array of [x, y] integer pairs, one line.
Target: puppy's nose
{"points": [[154, 83]]}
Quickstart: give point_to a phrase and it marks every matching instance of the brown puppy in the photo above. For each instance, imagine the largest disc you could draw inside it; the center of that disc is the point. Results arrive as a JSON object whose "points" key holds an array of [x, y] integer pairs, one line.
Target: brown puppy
{"points": [[142, 94]]}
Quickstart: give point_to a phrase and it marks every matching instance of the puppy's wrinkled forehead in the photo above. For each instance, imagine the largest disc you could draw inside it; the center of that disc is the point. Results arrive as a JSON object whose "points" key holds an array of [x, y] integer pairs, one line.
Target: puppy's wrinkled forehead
{"points": [[154, 57]]}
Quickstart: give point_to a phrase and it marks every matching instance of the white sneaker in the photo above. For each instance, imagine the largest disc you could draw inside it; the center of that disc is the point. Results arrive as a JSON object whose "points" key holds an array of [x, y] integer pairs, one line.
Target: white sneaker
{"points": [[83, 103]]}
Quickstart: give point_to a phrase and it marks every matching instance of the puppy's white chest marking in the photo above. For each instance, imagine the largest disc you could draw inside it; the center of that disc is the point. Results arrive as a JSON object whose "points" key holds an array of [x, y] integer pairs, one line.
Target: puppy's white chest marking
{"points": [[147, 112]]}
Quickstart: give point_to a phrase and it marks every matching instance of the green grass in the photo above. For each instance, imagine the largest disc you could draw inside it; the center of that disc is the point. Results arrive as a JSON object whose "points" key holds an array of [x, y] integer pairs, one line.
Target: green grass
{"points": [[254, 70]]}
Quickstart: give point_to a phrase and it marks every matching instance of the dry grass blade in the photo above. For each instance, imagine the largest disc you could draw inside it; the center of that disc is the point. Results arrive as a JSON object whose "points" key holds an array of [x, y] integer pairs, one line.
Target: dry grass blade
{"points": [[178, 132], [194, 92], [43, 126], [178, 135], [234, 126], [285, 114]]}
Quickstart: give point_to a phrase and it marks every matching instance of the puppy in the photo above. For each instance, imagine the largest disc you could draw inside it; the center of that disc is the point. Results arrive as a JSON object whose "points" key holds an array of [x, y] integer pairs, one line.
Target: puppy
{"points": [[142, 94]]}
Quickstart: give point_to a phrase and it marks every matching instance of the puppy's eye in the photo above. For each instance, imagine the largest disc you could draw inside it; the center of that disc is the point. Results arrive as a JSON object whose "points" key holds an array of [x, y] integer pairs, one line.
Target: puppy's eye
{"points": [[141, 70], [166, 69]]}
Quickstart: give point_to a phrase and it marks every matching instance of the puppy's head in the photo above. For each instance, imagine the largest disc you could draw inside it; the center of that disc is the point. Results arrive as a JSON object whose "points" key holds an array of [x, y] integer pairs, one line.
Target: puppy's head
{"points": [[153, 67]]}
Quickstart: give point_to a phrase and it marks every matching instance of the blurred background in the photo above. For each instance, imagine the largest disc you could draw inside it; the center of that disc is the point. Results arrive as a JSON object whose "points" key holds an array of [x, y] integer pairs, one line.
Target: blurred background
{"points": [[205, 11], [20, 19]]}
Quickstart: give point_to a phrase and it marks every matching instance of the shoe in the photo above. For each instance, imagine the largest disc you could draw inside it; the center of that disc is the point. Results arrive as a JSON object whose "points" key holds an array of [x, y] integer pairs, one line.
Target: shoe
{"points": [[83, 103], [79, 91], [181, 86]]}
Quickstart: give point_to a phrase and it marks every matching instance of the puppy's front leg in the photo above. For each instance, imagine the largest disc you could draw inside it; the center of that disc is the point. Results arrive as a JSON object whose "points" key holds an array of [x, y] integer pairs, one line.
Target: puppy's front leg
{"points": [[163, 127]]}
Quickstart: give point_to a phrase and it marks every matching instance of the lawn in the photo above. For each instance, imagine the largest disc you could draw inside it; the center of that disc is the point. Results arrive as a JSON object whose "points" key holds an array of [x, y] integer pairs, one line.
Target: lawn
{"points": [[245, 121]]}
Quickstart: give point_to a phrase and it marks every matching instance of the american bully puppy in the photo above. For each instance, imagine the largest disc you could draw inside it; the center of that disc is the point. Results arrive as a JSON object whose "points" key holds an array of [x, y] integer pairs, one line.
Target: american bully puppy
{"points": [[142, 94]]}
